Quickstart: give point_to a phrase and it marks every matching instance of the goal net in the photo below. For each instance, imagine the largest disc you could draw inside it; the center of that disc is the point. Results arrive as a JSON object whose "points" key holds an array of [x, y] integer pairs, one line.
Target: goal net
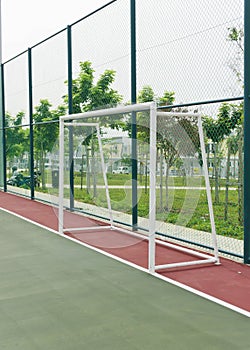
{"points": [[143, 173]]}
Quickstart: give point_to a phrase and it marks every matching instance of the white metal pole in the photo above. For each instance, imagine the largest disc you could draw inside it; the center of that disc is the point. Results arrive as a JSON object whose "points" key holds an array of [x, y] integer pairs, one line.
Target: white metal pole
{"points": [[207, 182], [139, 107], [61, 176], [152, 191]]}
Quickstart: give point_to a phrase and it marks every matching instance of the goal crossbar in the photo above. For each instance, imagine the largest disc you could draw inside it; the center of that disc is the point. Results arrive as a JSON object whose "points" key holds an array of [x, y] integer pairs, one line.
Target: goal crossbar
{"points": [[73, 121]]}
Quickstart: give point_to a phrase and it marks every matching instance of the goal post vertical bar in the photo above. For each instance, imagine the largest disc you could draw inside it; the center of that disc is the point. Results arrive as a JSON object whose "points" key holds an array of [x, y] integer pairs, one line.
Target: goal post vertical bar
{"points": [[61, 175], [152, 191], [208, 190]]}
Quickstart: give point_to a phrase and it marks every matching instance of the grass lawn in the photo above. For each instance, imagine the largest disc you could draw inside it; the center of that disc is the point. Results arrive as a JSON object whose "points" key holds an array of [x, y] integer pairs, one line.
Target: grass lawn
{"points": [[180, 200]]}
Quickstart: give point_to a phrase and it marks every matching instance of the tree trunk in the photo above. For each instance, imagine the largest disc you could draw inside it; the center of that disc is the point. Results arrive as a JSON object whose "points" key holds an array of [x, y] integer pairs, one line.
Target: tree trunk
{"points": [[42, 167], [240, 179], [234, 176], [93, 168], [166, 185], [161, 181], [146, 175], [87, 171], [216, 174], [227, 182]]}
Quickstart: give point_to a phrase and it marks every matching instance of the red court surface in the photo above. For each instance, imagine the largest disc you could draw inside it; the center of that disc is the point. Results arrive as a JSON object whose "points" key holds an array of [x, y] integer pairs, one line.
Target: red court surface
{"points": [[228, 282]]}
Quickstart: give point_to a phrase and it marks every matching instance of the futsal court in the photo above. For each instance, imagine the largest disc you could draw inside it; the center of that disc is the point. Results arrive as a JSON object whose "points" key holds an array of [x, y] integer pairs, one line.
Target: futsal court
{"points": [[85, 291]]}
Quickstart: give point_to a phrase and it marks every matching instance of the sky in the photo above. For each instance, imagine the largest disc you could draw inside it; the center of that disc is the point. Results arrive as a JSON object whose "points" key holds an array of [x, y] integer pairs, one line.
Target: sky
{"points": [[182, 46], [26, 22]]}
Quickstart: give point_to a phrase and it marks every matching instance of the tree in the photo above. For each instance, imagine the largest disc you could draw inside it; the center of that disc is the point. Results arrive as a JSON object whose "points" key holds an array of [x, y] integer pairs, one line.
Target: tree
{"points": [[174, 136], [236, 36], [146, 94], [167, 99], [45, 132], [165, 149], [240, 176], [88, 95], [177, 138], [228, 118], [16, 136]]}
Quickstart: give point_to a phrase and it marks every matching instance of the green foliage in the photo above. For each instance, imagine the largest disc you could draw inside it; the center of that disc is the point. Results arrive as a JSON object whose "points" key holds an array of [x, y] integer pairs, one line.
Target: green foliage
{"points": [[126, 161], [146, 94], [16, 137], [46, 131], [236, 64], [229, 117], [87, 95], [167, 99], [236, 35]]}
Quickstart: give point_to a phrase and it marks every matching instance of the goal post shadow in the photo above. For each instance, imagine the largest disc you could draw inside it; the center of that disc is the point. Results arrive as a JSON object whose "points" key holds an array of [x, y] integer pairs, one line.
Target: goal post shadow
{"points": [[73, 120]]}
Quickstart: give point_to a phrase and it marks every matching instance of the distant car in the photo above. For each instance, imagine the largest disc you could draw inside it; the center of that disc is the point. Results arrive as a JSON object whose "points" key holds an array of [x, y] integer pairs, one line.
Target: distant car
{"points": [[121, 170]]}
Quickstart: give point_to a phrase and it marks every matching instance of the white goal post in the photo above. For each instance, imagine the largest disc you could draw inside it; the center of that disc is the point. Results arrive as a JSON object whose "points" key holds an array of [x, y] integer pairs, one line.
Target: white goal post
{"points": [[75, 120]]}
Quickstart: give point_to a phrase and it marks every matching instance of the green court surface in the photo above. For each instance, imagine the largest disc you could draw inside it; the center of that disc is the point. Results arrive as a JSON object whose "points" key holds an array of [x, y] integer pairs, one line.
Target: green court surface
{"points": [[57, 294]]}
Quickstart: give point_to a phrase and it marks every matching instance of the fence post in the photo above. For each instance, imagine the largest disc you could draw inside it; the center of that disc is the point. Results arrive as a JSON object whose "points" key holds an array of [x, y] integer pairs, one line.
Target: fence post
{"points": [[31, 138], [133, 100], [247, 133], [70, 111], [3, 167], [2, 115]]}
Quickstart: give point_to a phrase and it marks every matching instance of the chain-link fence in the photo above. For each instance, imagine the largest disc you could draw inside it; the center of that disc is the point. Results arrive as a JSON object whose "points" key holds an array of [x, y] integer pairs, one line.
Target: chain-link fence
{"points": [[186, 55]]}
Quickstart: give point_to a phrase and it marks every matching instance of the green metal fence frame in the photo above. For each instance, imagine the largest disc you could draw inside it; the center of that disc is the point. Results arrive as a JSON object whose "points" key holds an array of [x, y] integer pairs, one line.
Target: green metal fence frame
{"points": [[246, 132], [133, 94], [133, 100]]}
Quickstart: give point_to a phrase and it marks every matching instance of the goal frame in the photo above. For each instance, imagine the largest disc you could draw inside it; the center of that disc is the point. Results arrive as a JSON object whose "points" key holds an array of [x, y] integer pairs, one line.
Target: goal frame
{"points": [[151, 107]]}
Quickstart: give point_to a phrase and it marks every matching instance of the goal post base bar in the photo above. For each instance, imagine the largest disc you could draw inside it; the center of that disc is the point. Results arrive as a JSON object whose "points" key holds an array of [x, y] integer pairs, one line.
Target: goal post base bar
{"points": [[186, 263], [74, 229], [206, 259]]}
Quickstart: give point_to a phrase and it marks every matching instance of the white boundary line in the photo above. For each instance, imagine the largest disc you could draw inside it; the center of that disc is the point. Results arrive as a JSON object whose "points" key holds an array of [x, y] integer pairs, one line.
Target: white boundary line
{"points": [[157, 275]]}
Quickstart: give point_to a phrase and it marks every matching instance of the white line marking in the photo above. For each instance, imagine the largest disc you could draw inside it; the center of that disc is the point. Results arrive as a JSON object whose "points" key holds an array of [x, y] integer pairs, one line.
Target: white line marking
{"points": [[157, 275]]}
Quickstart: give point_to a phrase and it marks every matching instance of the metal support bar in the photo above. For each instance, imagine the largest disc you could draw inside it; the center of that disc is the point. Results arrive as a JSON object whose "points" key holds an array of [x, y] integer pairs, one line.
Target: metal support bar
{"points": [[75, 229], [3, 131], [2, 121], [247, 134], [133, 124], [31, 136], [152, 190], [61, 177], [70, 111], [208, 189], [185, 263], [140, 107]]}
